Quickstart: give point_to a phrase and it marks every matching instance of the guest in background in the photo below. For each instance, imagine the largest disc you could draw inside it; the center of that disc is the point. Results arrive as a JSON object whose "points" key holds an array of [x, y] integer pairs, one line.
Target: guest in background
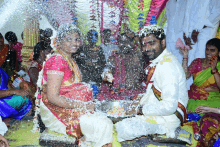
{"points": [[125, 68], [206, 78], [107, 46], [14, 45], [91, 60], [8, 57], [35, 66]]}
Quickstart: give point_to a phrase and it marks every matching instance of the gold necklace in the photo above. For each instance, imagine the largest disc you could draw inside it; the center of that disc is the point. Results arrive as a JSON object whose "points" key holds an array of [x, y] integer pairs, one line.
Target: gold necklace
{"points": [[72, 65]]}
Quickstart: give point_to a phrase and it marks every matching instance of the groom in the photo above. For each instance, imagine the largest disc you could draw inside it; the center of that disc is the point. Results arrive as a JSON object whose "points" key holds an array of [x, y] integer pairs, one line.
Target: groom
{"points": [[163, 107]]}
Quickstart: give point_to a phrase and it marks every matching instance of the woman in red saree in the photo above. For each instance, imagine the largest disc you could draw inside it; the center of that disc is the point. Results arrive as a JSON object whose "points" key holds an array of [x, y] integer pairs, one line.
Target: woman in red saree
{"points": [[204, 92], [66, 104]]}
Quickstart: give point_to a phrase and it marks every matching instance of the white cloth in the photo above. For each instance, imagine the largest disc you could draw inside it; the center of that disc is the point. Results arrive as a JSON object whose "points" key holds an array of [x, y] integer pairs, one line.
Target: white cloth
{"points": [[159, 118], [186, 16], [107, 49], [50, 121], [96, 128], [200, 13], [3, 127]]}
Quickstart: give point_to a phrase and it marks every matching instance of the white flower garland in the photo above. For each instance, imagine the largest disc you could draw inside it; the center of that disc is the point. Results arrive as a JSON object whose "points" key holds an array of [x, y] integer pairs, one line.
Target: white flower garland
{"points": [[36, 127]]}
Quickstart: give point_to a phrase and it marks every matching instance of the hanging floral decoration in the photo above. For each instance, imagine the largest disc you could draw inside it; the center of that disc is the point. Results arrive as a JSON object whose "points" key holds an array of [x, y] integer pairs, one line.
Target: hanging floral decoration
{"points": [[112, 23], [93, 13], [125, 12], [141, 15], [43, 6], [156, 8], [153, 20], [113, 3], [111, 17], [60, 10], [73, 12]]}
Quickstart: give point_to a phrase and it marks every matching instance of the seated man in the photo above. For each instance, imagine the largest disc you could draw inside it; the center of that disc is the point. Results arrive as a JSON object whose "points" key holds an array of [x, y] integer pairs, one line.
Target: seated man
{"points": [[162, 107], [108, 48], [91, 59]]}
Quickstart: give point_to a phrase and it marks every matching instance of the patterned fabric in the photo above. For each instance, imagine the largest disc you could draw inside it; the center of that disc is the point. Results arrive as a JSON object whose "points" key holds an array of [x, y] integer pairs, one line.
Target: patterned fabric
{"points": [[209, 126], [202, 79], [10, 63], [150, 74], [157, 94], [18, 48], [159, 117], [57, 64], [3, 54], [16, 108]]}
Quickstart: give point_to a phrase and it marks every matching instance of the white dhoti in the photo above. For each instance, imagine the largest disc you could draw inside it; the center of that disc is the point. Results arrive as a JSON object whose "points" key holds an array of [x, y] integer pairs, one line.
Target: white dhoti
{"points": [[138, 126], [97, 129]]}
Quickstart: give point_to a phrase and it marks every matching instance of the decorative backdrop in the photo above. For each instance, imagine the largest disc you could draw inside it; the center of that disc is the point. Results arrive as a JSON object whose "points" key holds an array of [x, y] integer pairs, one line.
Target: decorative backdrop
{"points": [[104, 14]]}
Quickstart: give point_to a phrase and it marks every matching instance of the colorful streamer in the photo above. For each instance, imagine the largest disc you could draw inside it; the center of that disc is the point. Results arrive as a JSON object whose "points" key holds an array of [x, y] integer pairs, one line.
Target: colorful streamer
{"points": [[134, 12], [156, 8]]}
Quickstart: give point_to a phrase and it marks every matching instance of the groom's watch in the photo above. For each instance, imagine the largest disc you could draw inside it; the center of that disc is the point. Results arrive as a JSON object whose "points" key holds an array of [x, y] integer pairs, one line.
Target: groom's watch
{"points": [[140, 108]]}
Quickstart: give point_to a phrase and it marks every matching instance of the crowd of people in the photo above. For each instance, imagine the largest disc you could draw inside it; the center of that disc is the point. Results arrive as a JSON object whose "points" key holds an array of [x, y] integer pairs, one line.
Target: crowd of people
{"points": [[64, 81]]}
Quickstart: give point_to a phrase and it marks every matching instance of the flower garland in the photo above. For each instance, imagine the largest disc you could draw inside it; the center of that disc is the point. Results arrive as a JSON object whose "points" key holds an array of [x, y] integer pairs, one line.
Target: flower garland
{"points": [[115, 16], [141, 15], [93, 13], [112, 23], [156, 9], [125, 12], [36, 127], [73, 12]]}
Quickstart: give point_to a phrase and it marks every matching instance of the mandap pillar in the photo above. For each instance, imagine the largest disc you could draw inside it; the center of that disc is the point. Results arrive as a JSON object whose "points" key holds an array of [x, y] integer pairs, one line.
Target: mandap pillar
{"points": [[31, 36]]}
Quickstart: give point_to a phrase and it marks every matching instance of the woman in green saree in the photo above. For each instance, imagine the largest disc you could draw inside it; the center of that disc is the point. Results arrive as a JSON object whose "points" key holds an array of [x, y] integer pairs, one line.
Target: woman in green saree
{"points": [[206, 79], [204, 95]]}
